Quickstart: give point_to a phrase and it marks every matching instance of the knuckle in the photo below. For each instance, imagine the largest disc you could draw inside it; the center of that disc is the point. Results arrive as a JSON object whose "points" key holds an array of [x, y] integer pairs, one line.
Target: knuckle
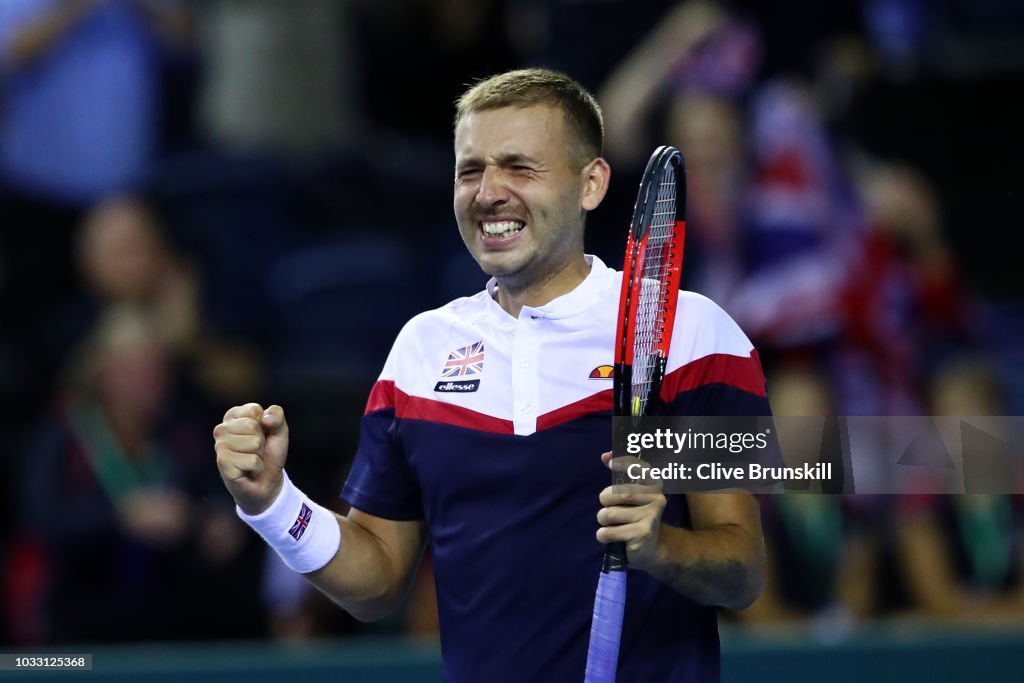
{"points": [[223, 459]]}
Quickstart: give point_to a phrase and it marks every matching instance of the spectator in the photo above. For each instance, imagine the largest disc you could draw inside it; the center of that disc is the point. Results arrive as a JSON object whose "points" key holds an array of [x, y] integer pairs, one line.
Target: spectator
{"points": [[905, 308], [821, 549], [135, 536], [772, 212], [124, 256], [960, 556], [79, 86]]}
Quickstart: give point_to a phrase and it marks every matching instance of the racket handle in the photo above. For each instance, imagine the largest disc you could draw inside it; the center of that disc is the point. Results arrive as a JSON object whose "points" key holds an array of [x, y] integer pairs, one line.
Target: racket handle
{"points": [[606, 628], [615, 557]]}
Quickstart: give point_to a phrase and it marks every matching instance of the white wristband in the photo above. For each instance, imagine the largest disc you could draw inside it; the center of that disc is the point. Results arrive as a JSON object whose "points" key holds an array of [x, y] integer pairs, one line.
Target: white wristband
{"points": [[304, 534]]}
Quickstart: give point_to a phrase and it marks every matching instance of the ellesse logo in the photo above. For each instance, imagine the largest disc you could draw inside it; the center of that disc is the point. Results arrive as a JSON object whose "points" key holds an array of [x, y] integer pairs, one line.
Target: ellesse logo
{"points": [[602, 372], [463, 387]]}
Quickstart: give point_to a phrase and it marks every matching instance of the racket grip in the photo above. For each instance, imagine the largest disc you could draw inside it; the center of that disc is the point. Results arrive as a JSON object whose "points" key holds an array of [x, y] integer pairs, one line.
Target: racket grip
{"points": [[606, 628]]}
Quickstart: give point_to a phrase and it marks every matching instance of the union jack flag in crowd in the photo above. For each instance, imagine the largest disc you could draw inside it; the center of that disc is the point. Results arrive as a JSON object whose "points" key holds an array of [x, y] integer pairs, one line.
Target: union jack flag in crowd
{"points": [[469, 360], [299, 528]]}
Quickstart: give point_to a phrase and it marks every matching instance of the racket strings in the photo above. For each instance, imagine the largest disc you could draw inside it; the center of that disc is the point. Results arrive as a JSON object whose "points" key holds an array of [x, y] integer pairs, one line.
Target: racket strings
{"points": [[654, 295]]}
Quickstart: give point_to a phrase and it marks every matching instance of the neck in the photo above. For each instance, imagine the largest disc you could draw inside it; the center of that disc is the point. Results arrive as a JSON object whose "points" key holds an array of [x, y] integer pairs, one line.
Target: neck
{"points": [[512, 296]]}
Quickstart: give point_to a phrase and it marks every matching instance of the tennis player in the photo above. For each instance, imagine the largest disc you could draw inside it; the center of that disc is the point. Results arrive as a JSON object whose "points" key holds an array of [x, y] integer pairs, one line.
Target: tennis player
{"points": [[484, 434]]}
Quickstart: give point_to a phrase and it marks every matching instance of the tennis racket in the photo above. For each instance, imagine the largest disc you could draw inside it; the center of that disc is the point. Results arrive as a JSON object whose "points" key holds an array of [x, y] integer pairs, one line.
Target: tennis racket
{"points": [[647, 311]]}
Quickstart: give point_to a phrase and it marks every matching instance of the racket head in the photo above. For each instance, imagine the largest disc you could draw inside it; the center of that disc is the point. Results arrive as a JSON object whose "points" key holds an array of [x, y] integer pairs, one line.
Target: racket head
{"points": [[650, 283]]}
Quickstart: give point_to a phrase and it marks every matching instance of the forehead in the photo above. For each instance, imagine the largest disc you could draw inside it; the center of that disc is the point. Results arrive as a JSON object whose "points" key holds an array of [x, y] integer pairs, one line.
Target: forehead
{"points": [[538, 131]]}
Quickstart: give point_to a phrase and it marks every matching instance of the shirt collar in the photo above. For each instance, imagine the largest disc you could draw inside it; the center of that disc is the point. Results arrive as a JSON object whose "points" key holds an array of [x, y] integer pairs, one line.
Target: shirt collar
{"points": [[580, 299]]}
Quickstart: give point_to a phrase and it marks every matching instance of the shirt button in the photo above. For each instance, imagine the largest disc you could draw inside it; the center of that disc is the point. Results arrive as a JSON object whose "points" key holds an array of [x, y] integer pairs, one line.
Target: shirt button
{"points": [[525, 408], [524, 363]]}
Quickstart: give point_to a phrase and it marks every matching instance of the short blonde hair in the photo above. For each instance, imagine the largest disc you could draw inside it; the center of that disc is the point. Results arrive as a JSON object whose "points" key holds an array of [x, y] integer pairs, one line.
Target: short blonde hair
{"points": [[531, 87]]}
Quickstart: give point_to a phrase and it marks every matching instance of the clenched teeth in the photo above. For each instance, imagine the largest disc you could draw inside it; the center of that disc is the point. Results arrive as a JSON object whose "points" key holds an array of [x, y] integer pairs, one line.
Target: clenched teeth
{"points": [[502, 228]]}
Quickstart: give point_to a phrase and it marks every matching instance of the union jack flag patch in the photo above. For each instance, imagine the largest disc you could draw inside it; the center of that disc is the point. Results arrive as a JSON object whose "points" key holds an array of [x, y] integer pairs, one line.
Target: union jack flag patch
{"points": [[469, 360], [299, 528]]}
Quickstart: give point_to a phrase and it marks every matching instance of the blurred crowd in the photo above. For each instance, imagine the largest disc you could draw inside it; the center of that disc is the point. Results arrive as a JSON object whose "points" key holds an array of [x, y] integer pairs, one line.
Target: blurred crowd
{"points": [[210, 203]]}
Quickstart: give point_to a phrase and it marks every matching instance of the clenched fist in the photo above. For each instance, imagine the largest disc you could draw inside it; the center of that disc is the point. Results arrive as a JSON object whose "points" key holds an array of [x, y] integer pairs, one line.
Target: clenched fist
{"points": [[252, 446]]}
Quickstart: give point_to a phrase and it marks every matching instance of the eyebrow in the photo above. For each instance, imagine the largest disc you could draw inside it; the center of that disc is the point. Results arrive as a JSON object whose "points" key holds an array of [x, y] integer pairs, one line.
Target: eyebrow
{"points": [[514, 159], [503, 160]]}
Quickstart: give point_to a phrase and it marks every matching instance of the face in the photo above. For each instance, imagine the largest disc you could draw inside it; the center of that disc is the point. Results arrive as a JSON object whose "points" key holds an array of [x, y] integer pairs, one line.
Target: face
{"points": [[519, 203], [120, 250], [709, 129]]}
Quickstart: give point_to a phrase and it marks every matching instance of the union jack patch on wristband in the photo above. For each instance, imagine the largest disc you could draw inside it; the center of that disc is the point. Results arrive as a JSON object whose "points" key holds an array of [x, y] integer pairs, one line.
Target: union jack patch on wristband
{"points": [[299, 528]]}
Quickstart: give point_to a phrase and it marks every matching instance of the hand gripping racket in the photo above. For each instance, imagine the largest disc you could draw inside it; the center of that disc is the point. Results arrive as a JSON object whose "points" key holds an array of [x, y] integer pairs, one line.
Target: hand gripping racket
{"points": [[647, 311]]}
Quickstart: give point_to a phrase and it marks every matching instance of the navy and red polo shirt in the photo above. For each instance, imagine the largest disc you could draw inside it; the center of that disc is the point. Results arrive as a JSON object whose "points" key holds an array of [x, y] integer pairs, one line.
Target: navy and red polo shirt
{"points": [[491, 428]]}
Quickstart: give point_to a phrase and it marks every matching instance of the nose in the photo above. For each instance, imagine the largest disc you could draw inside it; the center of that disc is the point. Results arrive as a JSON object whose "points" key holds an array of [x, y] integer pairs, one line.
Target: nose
{"points": [[492, 190]]}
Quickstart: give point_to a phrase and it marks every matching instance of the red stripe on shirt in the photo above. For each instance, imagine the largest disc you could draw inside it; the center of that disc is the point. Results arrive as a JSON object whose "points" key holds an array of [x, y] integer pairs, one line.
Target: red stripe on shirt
{"points": [[381, 396], [417, 408], [386, 395], [741, 372], [591, 404]]}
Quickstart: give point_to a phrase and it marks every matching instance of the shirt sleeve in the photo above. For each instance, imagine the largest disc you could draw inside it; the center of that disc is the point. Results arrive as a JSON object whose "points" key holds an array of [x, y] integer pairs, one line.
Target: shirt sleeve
{"points": [[713, 368], [381, 482]]}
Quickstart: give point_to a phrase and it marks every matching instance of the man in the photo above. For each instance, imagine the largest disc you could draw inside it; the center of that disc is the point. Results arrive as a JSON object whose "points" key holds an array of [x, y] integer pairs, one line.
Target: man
{"points": [[484, 433], [79, 123]]}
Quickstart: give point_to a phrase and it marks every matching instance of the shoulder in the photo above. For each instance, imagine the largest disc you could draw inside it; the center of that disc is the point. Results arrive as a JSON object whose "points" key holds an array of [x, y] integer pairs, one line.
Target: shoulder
{"points": [[429, 333], [435, 326], [702, 327]]}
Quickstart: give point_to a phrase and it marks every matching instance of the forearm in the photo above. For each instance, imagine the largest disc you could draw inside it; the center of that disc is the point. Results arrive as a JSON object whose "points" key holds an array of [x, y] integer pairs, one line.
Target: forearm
{"points": [[723, 566], [366, 578], [635, 84], [362, 562]]}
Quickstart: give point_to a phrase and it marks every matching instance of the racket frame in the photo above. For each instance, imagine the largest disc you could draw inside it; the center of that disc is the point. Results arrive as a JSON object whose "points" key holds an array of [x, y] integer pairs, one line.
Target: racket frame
{"points": [[632, 280]]}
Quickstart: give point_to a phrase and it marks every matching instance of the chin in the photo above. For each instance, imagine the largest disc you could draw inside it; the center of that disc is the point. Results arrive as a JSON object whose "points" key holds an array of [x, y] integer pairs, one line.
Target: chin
{"points": [[499, 267]]}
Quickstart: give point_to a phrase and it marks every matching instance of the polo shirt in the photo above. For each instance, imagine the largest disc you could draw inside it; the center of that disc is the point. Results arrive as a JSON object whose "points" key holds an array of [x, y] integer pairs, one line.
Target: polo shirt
{"points": [[490, 428]]}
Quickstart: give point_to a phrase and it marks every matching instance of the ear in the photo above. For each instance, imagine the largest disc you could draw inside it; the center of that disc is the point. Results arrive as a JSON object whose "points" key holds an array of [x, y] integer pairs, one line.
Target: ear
{"points": [[596, 176]]}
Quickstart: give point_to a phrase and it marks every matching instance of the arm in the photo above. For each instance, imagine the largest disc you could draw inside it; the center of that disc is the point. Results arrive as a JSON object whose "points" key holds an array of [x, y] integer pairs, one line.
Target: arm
{"points": [[924, 558], [634, 85], [374, 563], [720, 561]]}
